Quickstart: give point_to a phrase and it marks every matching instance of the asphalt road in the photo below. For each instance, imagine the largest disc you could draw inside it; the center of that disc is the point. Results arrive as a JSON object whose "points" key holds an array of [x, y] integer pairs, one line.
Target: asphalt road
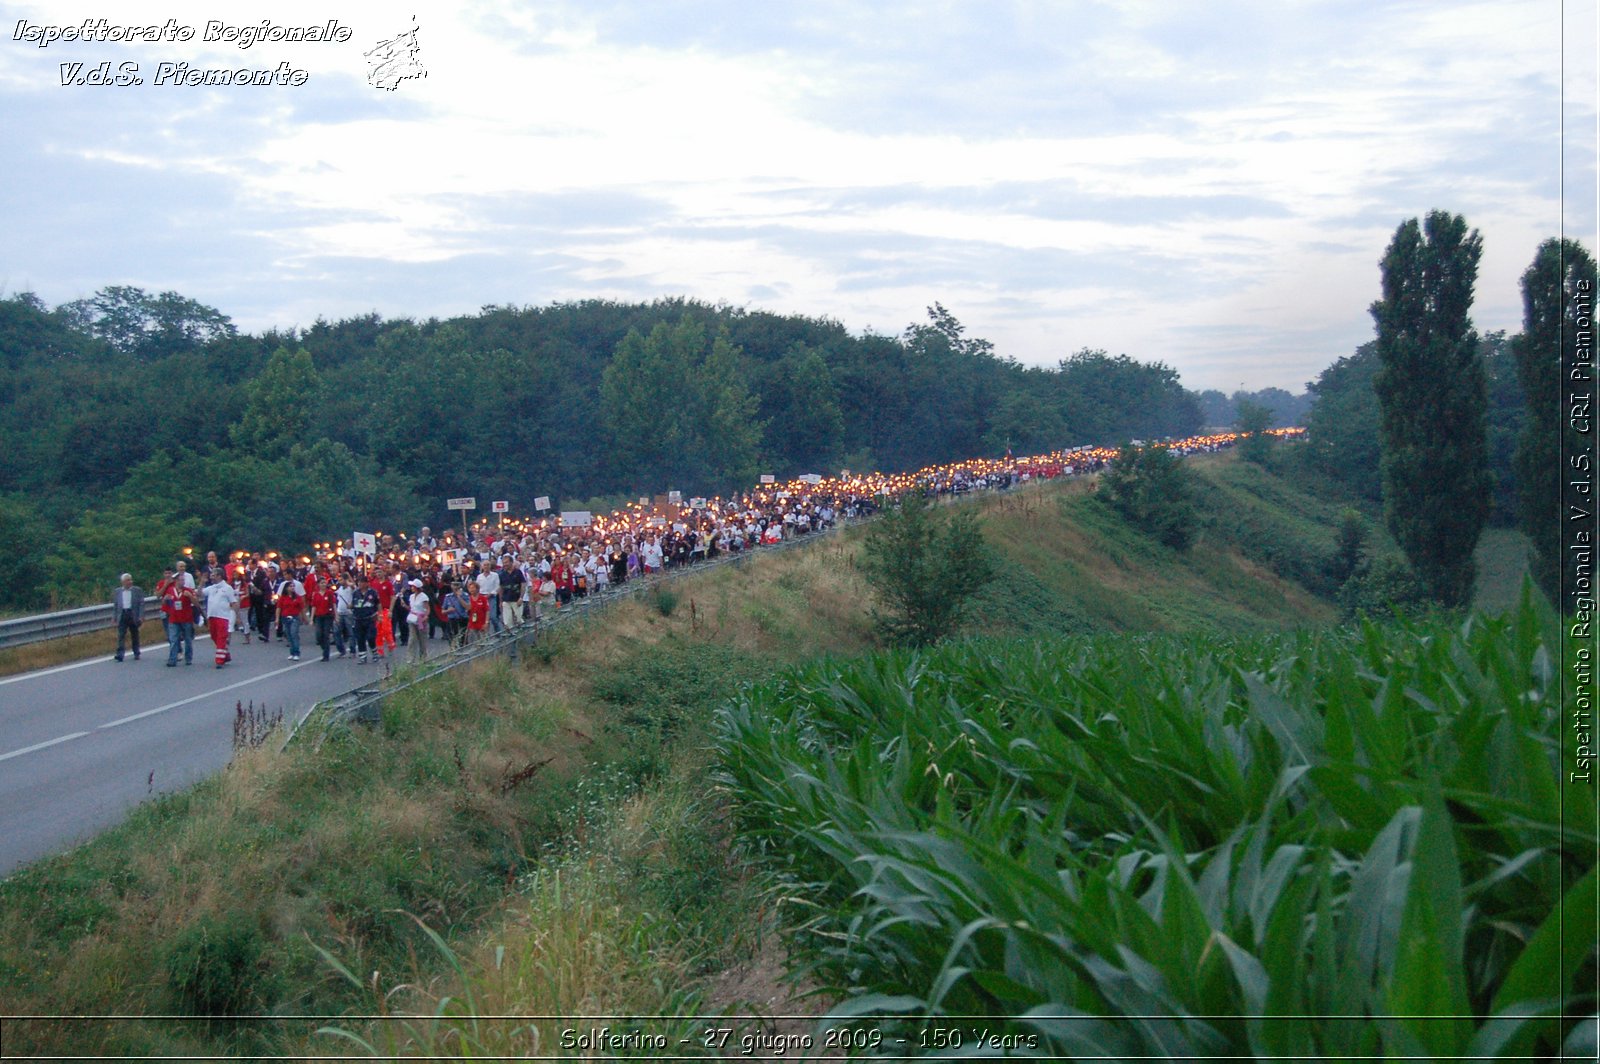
{"points": [[82, 744]]}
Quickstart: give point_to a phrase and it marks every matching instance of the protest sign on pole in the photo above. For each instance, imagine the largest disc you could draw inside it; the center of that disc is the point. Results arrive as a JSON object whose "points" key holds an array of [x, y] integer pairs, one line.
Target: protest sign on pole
{"points": [[364, 543], [768, 478], [463, 503], [542, 503], [576, 518]]}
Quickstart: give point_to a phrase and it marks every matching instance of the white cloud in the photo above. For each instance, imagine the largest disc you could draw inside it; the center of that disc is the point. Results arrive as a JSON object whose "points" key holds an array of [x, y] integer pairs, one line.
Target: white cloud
{"points": [[1212, 186]]}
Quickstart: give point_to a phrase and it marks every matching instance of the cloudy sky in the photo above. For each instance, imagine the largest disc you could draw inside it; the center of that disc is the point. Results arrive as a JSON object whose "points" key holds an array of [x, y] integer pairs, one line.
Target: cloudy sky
{"points": [[1207, 184]]}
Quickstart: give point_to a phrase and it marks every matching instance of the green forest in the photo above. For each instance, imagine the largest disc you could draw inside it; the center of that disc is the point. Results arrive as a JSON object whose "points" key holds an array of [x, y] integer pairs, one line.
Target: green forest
{"points": [[139, 420]]}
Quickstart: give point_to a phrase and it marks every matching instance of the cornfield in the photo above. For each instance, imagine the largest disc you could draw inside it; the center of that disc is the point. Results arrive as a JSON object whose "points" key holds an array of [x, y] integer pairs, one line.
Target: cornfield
{"points": [[1344, 843]]}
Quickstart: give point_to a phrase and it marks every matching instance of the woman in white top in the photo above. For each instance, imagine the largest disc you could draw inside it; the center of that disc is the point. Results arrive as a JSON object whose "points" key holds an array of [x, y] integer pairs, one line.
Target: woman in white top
{"points": [[417, 620]]}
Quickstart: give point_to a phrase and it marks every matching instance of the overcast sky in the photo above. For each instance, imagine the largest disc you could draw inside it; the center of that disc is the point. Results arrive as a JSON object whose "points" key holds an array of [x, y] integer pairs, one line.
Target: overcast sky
{"points": [[1210, 185]]}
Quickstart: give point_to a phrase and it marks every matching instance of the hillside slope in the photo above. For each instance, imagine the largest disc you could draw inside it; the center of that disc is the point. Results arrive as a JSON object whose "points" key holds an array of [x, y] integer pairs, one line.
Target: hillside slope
{"points": [[550, 818]]}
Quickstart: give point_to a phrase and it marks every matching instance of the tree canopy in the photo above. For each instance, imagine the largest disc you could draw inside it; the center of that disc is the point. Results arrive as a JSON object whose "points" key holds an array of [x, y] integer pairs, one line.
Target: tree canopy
{"points": [[154, 411]]}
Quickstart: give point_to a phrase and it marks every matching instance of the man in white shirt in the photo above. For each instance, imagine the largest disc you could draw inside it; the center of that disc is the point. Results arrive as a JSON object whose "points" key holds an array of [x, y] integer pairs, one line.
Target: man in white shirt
{"points": [[127, 606], [220, 599], [343, 620], [489, 587]]}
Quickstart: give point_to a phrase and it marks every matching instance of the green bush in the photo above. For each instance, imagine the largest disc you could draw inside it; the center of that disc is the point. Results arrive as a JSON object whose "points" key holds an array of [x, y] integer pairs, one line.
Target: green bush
{"points": [[665, 600], [924, 568], [217, 966], [1153, 493], [1382, 587]]}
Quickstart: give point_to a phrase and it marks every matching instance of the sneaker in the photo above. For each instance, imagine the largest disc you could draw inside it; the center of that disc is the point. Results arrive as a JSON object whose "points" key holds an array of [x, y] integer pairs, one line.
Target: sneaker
{"points": [[172, 664], [117, 660]]}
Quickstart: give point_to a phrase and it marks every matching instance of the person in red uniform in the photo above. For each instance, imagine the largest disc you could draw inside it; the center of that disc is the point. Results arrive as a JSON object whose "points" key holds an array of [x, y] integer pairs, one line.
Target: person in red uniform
{"points": [[290, 606], [177, 604], [221, 600], [322, 604], [477, 612]]}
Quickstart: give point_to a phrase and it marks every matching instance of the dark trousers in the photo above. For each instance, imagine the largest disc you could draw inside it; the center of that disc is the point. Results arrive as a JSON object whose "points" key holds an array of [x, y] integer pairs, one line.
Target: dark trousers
{"points": [[366, 633], [324, 622], [128, 629]]}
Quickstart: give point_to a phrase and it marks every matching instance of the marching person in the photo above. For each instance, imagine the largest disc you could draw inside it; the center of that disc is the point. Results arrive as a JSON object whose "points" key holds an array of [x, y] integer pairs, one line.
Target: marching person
{"points": [[177, 603], [324, 600], [365, 607], [489, 588], [221, 602], [417, 619], [291, 604], [512, 584], [477, 612], [127, 606]]}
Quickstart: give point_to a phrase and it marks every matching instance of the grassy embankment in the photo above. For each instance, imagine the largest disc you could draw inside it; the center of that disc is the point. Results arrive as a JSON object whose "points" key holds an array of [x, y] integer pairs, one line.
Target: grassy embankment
{"points": [[550, 820]]}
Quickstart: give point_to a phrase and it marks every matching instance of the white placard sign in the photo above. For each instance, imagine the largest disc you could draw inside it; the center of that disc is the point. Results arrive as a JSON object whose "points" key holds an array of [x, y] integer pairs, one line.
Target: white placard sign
{"points": [[675, 498], [576, 518], [365, 543], [768, 478], [697, 504], [812, 478], [500, 506], [542, 503], [464, 503]]}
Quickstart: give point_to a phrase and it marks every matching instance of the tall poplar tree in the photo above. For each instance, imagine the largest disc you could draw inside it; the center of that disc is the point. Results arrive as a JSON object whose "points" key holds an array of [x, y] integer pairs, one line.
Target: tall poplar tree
{"points": [[1544, 354], [1432, 400]]}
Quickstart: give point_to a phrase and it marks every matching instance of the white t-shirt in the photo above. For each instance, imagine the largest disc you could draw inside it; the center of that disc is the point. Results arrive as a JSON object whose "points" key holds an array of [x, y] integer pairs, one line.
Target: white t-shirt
{"points": [[419, 607], [489, 582], [220, 598]]}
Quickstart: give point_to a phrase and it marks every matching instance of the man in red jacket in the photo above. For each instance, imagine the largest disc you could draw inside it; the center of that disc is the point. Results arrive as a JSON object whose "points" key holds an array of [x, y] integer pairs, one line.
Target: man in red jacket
{"points": [[322, 604], [177, 604]]}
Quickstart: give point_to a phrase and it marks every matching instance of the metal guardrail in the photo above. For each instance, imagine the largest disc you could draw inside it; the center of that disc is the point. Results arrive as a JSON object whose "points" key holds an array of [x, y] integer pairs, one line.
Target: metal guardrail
{"points": [[21, 631]]}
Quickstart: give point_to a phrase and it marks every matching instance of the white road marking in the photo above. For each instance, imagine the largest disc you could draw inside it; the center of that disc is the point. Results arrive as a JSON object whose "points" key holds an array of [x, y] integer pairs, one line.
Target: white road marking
{"points": [[152, 649], [208, 694], [41, 746]]}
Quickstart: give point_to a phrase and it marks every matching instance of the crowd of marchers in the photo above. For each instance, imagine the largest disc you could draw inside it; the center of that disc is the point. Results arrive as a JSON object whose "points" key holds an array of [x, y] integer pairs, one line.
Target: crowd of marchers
{"points": [[384, 594]]}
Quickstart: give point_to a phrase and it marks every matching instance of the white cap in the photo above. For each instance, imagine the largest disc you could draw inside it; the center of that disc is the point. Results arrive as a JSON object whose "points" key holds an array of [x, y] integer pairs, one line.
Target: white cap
{"points": [[416, 583]]}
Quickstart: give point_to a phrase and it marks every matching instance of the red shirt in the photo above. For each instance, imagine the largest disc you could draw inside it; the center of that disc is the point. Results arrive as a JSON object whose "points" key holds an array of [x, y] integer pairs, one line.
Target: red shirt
{"points": [[478, 613], [311, 585], [385, 589], [290, 604], [321, 602], [177, 604]]}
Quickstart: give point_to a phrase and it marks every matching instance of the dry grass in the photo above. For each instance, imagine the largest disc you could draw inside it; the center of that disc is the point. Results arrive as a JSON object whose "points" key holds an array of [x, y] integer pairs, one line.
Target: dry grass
{"points": [[72, 649], [317, 843]]}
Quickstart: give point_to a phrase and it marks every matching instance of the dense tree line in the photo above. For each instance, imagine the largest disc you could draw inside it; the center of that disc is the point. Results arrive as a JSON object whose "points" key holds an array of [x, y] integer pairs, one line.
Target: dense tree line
{"points": [[136, 422]]}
